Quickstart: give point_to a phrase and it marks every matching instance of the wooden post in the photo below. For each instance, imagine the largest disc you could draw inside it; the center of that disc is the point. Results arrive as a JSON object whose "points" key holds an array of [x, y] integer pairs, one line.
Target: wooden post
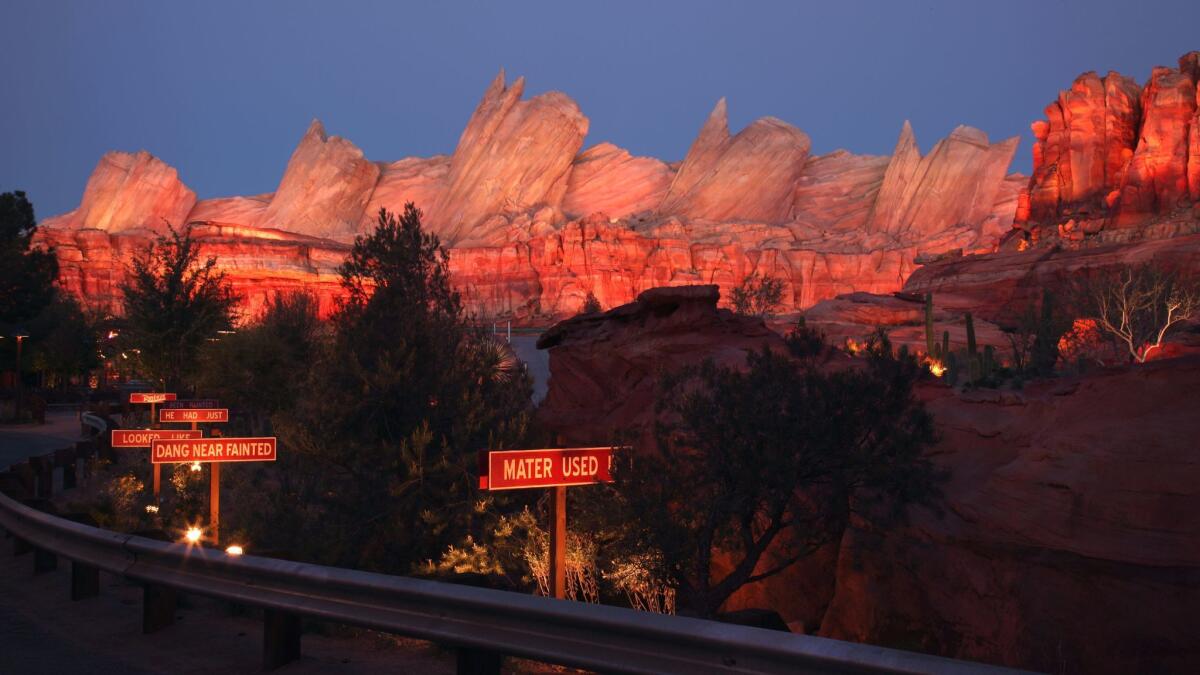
{"points": [[281, 638], [85, 581], [158, 608], [156, 471], [558, 543], [477, 662], [44, 561], [214, 502]]}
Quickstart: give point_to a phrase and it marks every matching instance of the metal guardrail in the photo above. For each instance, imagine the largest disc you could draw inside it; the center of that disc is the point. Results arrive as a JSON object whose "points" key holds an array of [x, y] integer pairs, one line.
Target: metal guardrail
{"points": [[481, 623]]}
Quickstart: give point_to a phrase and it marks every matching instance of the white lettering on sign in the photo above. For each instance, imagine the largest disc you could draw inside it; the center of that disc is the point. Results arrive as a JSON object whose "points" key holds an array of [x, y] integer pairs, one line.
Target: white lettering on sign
{"points": [[214, 450], [511, 469]]}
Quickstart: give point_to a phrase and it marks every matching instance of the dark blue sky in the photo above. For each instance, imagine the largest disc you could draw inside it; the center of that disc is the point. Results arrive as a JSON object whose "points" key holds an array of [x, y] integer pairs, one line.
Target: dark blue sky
{"points": [[223, 91]]}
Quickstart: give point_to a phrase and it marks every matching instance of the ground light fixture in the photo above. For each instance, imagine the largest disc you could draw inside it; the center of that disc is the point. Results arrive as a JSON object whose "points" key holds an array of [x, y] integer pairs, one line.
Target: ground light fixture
{"points": [[233, 549], [193, 535]]}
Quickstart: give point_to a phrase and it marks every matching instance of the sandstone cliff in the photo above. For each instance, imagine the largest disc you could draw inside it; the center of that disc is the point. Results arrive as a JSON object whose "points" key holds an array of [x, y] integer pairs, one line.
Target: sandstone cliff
{"points": [[1117, 162], [535, 222]]}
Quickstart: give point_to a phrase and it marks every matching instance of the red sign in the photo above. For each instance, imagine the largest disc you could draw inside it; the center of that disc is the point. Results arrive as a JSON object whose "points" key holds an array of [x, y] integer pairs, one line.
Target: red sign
{"points": [[551, 467], [193, 415], [142, 438], [214, 450], [193, 403], [148, 397]]}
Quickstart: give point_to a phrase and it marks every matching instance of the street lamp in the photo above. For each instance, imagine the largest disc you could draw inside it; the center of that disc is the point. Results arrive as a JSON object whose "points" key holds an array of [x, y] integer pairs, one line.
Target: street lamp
{"points": [[20, 336]]}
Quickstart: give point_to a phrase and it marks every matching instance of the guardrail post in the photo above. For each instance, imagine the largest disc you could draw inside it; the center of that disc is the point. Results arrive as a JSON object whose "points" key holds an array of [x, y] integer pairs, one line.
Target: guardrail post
{"points": [[158, 608], [281, 638], [44, 476], [85, 581], [67, 459], [478, 662], [20, 546], [44, 561]]}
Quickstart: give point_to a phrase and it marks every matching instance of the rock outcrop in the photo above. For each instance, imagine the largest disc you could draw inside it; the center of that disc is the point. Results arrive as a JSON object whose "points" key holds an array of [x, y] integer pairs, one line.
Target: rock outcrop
{"points": [[534, 224], [625, 350], [514, 156], [129, 192], [748, 177], [607, 179], [1115, 162], [1069, 539], [324, 190]]}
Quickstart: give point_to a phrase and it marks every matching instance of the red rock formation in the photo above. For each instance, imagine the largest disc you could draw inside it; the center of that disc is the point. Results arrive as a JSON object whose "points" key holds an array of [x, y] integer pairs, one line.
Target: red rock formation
{"points": [[534, 225], [324, 190], [956, 183], [988, 284], [607, 179], [514, 156], [1070, 535], [129, 192], [749, 177], [604, 367], [1112, 161]]}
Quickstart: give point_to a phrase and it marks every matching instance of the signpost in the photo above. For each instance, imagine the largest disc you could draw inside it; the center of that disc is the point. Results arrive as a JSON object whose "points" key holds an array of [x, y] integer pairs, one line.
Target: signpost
{"points": [[193, 403], [213, 451], [557, 468], [193, 415], [153, 398], [143, 438]]}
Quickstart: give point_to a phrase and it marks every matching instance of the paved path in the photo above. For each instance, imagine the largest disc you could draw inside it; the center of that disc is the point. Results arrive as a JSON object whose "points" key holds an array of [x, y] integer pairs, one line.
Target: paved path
{"points": [[18, 441]]}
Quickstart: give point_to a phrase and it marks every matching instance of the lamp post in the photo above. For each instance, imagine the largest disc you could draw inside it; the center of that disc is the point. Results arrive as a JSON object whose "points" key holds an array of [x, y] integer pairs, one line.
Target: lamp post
{"points": [[20, 336]]}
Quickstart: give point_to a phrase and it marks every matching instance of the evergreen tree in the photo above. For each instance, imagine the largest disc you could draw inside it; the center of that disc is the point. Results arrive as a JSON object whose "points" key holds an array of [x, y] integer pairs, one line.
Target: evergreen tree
{"points": [[381, 468], [26, 276], [173, 305]]}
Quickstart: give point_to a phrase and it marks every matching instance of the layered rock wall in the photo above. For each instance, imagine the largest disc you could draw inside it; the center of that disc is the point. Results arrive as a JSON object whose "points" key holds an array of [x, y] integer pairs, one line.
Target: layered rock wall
{"points": [[535, 222]]}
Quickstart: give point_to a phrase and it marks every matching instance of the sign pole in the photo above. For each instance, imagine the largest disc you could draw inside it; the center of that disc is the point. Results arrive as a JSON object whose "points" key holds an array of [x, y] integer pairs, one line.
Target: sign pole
{"points": [[156, 469], [558, 542], [214, 502]]}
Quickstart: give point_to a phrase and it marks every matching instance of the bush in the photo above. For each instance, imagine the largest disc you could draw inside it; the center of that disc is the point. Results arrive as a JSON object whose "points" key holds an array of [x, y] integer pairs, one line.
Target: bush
{"points": [[757, 296]]}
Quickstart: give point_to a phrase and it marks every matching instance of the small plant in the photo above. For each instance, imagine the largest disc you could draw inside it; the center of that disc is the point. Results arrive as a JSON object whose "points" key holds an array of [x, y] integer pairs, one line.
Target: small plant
{"points": [[758, 296], [591, 305]]}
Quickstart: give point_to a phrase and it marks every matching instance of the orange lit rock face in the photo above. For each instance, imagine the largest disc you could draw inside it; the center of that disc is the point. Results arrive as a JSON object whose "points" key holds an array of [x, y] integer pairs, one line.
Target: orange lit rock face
{"points": [[129, 192], [1113, 161], [534, 224], [324, 190]]}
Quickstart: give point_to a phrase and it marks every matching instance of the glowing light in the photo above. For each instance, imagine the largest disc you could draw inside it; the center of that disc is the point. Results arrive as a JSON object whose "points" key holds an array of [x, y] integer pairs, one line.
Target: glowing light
{"points": [[193, 535], [195, 466], [852, 346], [112, 334], [233, 549], [937, 368], [150, 508]]}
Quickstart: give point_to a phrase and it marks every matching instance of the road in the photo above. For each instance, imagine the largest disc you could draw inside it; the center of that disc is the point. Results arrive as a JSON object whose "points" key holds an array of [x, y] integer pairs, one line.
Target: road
{"points": [[19, 441]]}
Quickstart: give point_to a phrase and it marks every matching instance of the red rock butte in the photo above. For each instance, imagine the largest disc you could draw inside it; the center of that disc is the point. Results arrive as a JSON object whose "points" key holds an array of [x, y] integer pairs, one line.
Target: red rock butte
{"points": [[535, 222]]}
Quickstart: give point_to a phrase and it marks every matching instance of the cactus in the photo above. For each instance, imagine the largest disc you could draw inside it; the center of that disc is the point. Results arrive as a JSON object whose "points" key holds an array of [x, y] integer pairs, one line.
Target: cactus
{"points": [[989, 363], [945, 343], [971, 347], [951, 376], [930, 347]]}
